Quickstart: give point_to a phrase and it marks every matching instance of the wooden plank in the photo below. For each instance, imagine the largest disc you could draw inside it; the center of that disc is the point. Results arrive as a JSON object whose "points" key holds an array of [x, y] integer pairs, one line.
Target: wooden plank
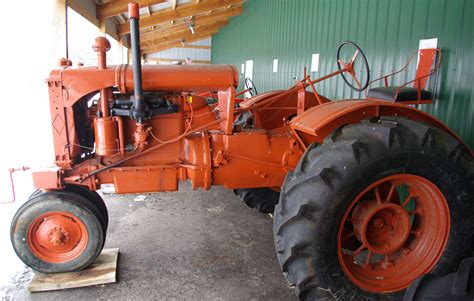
{"points": [[59, 38], [198, 20], [222, 14], [117, 7], [195, 47], [102, 270], [182, 11], [182, 34], [174, 44]]}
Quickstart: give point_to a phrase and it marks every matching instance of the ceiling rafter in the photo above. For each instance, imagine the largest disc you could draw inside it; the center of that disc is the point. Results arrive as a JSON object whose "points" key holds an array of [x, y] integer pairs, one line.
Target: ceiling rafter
{"points": [[184, 26], [173, 44], [183, 33], [182, 11], [117, 7], [177, 22]]}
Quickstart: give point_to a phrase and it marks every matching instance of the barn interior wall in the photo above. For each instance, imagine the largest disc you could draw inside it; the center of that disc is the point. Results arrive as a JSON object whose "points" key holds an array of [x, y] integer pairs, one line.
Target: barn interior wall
{"points": [[387, 30]]}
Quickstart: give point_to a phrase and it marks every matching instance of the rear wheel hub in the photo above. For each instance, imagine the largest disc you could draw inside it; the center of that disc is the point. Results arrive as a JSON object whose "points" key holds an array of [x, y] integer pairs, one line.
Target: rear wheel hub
{"points": [[394, 231], [383, 228]]}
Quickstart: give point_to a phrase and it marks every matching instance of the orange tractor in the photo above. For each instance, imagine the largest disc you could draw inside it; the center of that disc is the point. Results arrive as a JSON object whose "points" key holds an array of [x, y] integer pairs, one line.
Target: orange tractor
{"points": [[367, 194]]}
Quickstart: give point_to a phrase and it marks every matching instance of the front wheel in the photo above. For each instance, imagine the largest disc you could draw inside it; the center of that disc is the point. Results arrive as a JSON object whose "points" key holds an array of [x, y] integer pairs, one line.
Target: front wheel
{"points": [[374, 207], [57, 231]]}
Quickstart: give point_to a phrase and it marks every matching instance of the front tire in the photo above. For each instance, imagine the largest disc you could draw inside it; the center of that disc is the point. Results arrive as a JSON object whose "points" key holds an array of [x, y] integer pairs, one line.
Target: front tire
{"points": [[339, 204], [56, 232]]}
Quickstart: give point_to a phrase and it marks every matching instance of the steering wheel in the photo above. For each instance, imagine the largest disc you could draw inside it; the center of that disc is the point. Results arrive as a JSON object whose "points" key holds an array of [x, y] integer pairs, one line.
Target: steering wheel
{"points": [[250, 86], [349, 67]]}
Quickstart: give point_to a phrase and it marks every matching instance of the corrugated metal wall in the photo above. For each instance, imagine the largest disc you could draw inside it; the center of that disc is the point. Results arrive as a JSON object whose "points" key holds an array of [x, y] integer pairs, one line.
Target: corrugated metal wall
{"points": [[387, 30]]}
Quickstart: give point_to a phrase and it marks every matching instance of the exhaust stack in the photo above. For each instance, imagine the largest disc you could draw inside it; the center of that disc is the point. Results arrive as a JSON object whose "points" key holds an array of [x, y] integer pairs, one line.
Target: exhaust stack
{"points": [[138, 100]]}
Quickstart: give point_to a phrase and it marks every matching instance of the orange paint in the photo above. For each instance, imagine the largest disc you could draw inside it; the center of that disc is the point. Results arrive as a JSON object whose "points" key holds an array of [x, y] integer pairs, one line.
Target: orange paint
{"points": [[57, 237], [397, 250], [198, 142]]}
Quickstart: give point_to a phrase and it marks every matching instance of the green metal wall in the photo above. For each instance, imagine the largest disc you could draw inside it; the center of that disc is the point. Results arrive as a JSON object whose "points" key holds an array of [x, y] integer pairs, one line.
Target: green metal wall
{"points": [[387, 30]]}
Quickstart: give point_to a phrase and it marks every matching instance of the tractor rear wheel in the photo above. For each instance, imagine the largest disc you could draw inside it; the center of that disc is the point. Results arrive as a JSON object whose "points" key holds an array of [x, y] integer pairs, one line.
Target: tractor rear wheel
{"points": [[374, 207], [57, 231], [262, 199]]}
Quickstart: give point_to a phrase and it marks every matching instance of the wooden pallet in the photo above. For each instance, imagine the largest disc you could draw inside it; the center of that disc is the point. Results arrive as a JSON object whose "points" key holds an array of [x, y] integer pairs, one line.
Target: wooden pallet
{"points": [[102, 270]]}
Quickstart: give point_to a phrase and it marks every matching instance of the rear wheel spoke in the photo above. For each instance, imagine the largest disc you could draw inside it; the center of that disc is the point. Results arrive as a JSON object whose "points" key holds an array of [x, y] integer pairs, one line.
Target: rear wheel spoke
{"points": [[377, 195], [390, 193], [368, 261], [415, 212], [349, 235], [407, 200], [386, 263], [360, 249]]}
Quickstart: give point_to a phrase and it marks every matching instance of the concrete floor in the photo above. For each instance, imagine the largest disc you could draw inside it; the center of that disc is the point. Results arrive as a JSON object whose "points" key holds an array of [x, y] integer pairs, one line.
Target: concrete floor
{"points": [[186, 245]]}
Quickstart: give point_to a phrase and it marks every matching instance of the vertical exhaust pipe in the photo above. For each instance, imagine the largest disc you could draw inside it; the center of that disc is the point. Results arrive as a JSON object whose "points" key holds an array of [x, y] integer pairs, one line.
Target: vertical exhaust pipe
{"points": [[138, 100]]}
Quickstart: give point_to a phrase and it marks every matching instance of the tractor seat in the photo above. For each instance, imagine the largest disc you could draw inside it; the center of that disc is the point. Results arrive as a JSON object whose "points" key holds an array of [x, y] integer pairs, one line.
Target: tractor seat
{"points": [[404, 94]]}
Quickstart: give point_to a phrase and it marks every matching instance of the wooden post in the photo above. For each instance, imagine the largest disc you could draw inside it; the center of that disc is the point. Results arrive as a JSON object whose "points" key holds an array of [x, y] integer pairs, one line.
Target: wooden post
{"points": [[102, 27], [59, 34]]}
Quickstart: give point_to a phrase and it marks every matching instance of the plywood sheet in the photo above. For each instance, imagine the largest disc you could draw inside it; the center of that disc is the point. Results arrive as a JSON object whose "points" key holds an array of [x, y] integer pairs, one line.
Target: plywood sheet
{"points": [[102, 270]]}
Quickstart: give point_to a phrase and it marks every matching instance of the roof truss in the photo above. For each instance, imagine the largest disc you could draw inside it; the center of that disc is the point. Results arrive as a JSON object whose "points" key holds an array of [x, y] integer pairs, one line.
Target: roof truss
{"points": [[182, 11], [171, 27], [117, 7]]}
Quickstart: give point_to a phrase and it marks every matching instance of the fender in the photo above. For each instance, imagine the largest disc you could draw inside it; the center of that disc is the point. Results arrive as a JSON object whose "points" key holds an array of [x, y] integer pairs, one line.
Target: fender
{"points": [[318, 122]]}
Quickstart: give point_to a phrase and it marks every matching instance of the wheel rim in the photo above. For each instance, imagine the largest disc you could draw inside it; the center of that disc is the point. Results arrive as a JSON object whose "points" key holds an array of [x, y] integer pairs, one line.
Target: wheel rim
{"points": [[394, 231], [57, 237]]}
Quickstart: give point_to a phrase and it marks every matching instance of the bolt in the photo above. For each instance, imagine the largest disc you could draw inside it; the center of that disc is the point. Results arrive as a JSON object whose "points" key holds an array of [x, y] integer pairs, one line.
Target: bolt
{"points": [[378, 223]]}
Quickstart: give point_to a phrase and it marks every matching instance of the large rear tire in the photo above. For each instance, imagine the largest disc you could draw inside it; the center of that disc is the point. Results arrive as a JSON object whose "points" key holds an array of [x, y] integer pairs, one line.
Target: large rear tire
{"points": [[377, 205], [57, 231]]}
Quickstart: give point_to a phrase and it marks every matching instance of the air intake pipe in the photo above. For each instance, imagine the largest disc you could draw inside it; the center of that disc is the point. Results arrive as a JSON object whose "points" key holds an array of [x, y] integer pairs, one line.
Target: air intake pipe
{"points": [[138, 100]]}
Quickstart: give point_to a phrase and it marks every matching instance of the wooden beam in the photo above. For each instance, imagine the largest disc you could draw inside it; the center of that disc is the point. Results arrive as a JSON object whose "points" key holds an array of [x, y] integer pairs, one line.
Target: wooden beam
{"points": [[159, 60], [60, 31], [182, 29], [148, 11], [222, 12], [183, 33], [118, 7], [197, 21], [174, 44], [194, 47], [185, 10]]}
